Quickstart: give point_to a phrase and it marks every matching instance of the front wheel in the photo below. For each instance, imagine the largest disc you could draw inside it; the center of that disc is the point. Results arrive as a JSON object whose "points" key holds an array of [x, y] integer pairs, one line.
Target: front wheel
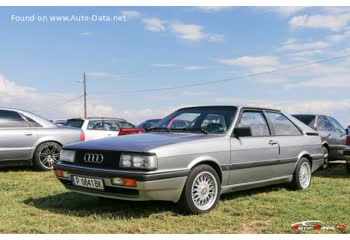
{"points": [[302, 175], [202, 190], [46, 156]]}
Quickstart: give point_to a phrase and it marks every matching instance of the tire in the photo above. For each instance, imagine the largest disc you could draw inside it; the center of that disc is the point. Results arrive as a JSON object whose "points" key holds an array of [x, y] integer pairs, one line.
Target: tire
{"points": [[348, 166], [201, 192], [302, 175], [325, 153], [46, 156]]}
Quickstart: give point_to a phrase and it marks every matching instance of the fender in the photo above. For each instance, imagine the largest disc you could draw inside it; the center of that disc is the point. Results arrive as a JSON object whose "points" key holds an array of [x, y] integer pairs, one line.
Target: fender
{"points": [[42, 140], [303, 154]]}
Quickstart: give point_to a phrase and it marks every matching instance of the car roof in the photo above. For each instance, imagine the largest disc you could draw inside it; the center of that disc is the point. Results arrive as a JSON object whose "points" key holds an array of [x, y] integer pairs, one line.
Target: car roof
{"points": [[98, 118], [235, 106]]}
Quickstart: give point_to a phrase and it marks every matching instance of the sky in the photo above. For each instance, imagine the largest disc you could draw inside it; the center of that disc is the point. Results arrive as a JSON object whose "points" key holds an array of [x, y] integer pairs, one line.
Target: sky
{"points": [[149, 48]]}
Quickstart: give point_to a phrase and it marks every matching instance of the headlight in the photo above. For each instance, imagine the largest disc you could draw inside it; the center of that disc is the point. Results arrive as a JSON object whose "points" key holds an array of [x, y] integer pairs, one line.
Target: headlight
{"points": [[149, 162], [67, 156]]}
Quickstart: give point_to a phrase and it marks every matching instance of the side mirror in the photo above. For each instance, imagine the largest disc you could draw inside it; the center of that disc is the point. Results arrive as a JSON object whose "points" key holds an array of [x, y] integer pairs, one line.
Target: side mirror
{"points": [[242, 132]]}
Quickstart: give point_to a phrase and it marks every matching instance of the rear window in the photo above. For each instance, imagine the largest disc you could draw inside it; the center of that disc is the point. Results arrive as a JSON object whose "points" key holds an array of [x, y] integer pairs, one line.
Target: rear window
{"points": [[76, 123], [306, 119]]}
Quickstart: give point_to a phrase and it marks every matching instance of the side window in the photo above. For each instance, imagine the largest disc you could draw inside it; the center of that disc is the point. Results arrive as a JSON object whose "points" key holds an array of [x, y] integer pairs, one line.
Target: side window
{"points": [[11, 119], [256, 122], [323, 124], [95, 125], [282, 125], [110, 125], [124, 124], [337, 125], [32, 123]]}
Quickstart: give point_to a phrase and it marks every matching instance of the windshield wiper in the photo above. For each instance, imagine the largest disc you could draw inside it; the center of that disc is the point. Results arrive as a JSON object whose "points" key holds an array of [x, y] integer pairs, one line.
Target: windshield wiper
{"points": [[157, 130], [194, 130]]}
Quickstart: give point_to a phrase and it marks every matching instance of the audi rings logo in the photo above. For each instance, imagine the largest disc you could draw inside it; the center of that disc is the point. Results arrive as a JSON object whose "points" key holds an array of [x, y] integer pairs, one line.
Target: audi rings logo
{"points": [[93, 158]]}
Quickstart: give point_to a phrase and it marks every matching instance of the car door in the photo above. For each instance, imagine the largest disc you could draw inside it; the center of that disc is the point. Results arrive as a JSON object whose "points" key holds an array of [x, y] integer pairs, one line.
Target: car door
{"points": [[328, 134], [94, 130], [111, 128], [17, 137], [291, 142], [253, 157], [340, 137]]}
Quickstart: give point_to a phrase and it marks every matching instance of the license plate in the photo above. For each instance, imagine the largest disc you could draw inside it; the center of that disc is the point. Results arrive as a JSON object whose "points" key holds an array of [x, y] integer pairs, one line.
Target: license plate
{"points": [[87, 182]]}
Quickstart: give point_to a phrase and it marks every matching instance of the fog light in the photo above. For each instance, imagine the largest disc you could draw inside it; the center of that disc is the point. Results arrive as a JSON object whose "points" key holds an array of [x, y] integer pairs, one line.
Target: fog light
{"points": [[65, 174], [117, 181]]}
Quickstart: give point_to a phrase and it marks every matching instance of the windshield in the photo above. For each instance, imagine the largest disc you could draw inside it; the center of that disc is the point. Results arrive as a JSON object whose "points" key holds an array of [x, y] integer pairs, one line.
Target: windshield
{"points": [[205, 119], [76, 123], [148, 123]]}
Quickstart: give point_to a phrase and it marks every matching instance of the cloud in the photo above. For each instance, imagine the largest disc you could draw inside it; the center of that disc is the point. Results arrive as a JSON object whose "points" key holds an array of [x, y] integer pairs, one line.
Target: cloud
{"points": [[249, 61], [131, 14], [284, 11], [209, 9], [99, 74], [48, 104], [163, 65], [193, 32], [154, 24], [86, 34], [194, 68], [329, 22], [293, 45]]}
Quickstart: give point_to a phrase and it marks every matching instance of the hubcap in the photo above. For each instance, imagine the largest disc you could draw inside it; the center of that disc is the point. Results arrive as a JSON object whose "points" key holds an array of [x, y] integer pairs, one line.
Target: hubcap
{"points": [[204, 190], [49, 156], [305, 175], [325, 157]]}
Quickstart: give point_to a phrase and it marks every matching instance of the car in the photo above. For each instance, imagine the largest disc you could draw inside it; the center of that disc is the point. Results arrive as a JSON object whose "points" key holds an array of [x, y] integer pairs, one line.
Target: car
{"points": [[102, 127], [223, 149], [347, 151], [28, 139], [332, 133], [148, 123], [58, 122]]}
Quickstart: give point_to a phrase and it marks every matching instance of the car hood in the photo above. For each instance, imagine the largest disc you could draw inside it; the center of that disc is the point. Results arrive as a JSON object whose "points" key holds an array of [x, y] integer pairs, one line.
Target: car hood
{"points": [[142, 142]]}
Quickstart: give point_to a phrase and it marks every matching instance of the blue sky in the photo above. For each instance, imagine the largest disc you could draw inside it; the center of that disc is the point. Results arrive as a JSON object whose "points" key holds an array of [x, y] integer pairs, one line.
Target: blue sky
{"points": [[156, 47]]}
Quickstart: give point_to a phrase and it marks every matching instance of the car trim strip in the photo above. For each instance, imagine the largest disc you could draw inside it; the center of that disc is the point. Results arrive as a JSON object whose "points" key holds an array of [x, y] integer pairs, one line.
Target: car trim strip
{"points": [[228, 167], [107, 173]]}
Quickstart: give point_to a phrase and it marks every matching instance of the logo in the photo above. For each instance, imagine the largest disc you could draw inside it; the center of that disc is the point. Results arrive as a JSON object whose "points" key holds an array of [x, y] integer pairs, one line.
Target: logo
{"points": [[316, 225], [93, 158]]}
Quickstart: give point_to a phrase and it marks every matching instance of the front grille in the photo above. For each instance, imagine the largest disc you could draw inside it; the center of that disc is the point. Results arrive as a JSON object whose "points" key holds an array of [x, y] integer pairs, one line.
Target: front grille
{"points": [[110, 159]]}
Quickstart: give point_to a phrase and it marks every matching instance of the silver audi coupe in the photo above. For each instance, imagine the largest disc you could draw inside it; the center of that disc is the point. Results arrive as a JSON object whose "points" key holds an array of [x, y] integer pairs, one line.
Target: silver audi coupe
{"points": [[222, 149]]}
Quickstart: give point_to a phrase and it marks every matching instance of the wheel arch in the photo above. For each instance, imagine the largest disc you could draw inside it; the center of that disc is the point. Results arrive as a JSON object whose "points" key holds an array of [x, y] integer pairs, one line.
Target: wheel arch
{"points": [[212, 162], [42, 142], [306, 155]]}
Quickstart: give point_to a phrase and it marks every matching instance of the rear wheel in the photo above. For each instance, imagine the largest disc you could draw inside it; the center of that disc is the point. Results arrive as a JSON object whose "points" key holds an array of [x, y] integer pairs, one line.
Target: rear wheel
{"points": [[302, 175], [325, 153], [46, 156], [202, 190]]}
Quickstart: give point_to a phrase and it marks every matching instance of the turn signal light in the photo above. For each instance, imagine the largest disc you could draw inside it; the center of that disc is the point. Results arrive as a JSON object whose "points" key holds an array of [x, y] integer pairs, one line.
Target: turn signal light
{"points": [[59, 173], [129, 182]]}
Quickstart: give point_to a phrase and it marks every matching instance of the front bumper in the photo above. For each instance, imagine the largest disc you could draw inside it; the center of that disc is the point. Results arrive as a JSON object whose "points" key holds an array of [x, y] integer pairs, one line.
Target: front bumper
{"points": [[164, 186]]}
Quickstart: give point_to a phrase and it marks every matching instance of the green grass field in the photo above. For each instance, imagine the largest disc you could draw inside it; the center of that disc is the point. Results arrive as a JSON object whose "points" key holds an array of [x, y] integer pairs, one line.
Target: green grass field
{"points": [[35, 202]]}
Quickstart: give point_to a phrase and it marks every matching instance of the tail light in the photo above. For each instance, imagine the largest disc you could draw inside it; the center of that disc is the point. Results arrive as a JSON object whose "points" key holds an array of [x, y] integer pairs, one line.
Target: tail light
{"points": [[347, 140], [82, 137], [127, 131]]}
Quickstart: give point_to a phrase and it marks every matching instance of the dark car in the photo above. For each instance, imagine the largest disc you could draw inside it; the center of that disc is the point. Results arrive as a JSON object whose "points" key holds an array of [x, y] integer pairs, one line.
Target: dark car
{"points": [[332, 133]]}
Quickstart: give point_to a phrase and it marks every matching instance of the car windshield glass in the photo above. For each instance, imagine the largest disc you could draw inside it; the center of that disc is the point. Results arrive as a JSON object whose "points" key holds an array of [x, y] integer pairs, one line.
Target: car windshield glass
{"points": [[76, 123], [198, 119], [307, 119], [148, 123]]}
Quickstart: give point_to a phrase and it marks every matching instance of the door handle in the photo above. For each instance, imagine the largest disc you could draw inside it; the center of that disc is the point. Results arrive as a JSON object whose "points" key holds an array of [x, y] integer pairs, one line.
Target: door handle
{"points": [[272, 142], [28, 134]]}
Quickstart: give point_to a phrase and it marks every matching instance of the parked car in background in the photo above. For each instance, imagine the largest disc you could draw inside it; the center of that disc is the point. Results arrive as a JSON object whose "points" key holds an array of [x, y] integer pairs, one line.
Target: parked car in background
{"points": [[27, 139], [221, 149], [148, 123], [347, 151], [332, 133], [59, 122], [99, 127]]}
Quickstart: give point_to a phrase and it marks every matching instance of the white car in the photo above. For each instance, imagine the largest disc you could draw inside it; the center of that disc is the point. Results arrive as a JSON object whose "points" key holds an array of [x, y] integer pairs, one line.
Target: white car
{"points": [[96, 128]]}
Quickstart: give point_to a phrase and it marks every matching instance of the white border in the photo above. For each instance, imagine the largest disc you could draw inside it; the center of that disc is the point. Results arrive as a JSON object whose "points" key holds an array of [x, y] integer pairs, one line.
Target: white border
{"points": [[173, 3]]}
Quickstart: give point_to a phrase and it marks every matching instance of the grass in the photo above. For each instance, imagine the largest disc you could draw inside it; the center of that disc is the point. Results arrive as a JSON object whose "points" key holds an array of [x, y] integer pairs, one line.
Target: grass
{"points": [[35, 202]]}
